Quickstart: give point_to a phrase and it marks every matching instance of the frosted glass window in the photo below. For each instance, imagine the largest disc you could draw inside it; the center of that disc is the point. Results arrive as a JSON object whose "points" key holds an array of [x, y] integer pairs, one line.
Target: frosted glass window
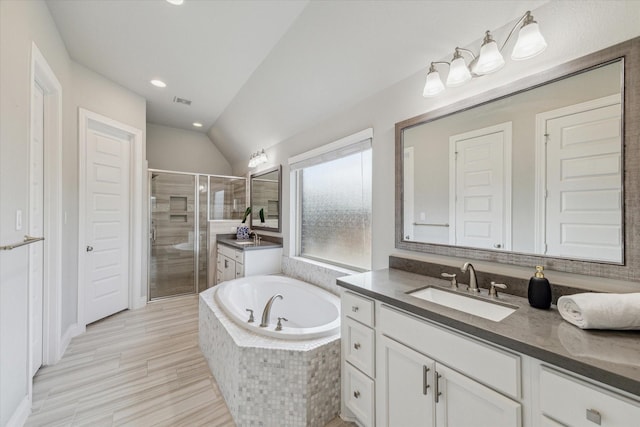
{"points": [[335, 211]]}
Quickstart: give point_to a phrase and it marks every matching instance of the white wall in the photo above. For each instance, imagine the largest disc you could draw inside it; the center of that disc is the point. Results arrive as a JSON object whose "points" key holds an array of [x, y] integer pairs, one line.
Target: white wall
{"points": [[21, 23], [572, 29], [95, 93], [182, 150]]}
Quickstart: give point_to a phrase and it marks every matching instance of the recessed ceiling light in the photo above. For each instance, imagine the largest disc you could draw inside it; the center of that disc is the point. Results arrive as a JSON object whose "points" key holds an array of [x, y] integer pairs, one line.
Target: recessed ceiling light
{"points": [[197, 124], [175, 2], [158, 83]]}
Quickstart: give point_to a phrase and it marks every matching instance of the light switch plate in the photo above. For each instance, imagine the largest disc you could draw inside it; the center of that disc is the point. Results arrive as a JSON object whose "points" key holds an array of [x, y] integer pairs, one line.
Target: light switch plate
{"points": [[18, 220]]}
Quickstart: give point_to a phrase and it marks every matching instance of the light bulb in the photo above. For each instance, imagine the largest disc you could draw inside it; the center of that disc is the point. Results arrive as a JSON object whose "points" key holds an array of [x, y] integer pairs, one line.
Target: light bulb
{"points": [[490, 59], [434, 85], [530, 42], [459, 73]]}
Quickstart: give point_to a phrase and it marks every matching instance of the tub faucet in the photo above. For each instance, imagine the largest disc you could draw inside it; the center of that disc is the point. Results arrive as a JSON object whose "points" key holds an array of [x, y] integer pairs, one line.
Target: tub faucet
{"points": [[473, 280], [267, 310]]}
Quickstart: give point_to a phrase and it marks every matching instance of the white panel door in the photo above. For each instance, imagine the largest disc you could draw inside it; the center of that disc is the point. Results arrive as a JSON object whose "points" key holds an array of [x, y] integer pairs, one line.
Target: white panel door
{"points": [[36, 229], [480, 192], [584, 184], [406, 381], [107, 222], [464, 403]]}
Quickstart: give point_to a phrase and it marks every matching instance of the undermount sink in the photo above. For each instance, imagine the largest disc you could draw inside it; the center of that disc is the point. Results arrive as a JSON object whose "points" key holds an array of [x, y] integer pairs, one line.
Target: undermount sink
{"points": [[244, 242], [490, 310]]}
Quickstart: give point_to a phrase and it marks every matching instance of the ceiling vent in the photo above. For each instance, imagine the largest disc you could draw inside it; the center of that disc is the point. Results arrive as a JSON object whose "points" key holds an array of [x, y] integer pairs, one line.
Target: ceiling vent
{"points": [[181, 100]]}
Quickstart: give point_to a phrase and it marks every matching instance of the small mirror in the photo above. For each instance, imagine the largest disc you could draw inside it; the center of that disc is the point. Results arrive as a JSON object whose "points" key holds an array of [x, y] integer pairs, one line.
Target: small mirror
{"points": [[265, 199]]}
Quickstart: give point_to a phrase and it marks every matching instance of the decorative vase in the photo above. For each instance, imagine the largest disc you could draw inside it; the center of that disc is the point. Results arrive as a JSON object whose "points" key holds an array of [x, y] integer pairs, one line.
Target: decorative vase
{"points": [[242, 232]]}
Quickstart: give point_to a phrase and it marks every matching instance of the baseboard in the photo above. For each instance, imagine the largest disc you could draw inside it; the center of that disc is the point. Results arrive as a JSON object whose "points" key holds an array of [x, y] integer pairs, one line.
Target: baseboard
{"points": [[139, 303], [21, 413], [72, 331]]}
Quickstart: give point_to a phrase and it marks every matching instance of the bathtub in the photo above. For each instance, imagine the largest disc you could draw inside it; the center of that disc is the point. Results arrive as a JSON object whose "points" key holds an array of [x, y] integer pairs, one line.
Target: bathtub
{"points": [[311, 311]]}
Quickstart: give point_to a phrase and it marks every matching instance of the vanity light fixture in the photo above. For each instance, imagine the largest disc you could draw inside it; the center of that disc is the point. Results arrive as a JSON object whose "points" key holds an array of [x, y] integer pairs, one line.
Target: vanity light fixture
{"points": [[158, 83], [530, 43], [459, 73], [258, 158]]}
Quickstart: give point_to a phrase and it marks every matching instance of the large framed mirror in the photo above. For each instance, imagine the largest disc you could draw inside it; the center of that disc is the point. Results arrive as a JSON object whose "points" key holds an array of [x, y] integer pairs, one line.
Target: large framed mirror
{"points": [[266, 197], [544, 171]]}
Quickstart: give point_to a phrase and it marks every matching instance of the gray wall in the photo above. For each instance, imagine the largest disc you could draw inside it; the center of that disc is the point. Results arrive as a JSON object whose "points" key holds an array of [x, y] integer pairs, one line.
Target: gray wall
{"points": [[184, 151], [571, 29]]}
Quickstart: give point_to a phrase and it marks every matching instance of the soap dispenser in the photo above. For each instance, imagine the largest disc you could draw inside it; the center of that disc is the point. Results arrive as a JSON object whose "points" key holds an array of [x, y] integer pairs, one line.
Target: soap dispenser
{"points": [[539, 290]]}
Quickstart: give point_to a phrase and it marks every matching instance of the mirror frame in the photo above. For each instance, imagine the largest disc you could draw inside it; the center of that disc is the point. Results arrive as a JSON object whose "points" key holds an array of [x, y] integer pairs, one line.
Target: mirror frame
{"points": [[629, 269], [257, 175]]}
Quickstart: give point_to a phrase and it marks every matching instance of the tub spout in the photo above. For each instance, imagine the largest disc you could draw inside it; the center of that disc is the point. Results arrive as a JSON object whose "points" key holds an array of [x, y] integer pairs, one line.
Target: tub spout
{"points": [[267, 310]]}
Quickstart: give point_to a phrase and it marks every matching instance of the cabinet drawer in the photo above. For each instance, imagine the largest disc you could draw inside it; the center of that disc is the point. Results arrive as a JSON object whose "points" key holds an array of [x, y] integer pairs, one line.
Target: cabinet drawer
{"points": [[489, 365], [239, 256], [577, 403], [358, 308], [360, 342], [226, 251], [360, 395]]}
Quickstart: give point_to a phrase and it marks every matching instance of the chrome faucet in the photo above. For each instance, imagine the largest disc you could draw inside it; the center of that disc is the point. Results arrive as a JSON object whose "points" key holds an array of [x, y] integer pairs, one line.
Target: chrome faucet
{"points": [[267, 310], [473, 279]]}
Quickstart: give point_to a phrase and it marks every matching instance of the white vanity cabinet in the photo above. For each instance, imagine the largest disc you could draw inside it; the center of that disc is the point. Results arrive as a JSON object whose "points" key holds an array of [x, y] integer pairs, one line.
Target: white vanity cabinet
{"points": [[358, 350], [425, 374], [233, 263], [587, 406], [419, 390]]}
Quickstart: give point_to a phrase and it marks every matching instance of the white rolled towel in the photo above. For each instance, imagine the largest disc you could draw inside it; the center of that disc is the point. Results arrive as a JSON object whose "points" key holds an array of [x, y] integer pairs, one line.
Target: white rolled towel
{"points": [[601, 311]]}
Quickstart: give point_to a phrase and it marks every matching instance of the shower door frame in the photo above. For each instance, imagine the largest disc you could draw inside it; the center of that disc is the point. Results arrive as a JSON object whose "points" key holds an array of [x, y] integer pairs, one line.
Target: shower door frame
{"points": [[196, 245], [196, 230]]}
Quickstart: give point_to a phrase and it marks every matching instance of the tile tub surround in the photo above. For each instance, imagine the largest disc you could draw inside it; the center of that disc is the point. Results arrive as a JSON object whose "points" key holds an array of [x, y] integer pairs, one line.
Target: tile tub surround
{"points": [[267, 381], [314, 272], [610, 357]]}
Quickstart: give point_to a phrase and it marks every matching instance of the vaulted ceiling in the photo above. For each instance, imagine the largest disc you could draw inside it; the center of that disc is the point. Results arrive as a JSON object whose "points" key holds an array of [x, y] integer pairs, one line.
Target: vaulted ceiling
{"points": [[259, 71]]}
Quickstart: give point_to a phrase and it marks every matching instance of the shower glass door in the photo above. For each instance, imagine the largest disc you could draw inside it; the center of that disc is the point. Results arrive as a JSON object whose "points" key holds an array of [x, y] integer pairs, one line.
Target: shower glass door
{"points": [[173, 234]]}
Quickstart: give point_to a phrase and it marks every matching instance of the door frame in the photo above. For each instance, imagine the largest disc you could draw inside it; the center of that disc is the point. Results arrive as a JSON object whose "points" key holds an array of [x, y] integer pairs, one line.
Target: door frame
{"points": [[42, 74], [137, 231], [540, 223], [507, 160]]}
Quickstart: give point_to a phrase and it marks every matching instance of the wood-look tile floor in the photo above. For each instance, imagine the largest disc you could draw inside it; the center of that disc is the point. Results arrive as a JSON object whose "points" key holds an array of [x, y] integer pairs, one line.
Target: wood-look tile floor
{"points": [[138, 368]]}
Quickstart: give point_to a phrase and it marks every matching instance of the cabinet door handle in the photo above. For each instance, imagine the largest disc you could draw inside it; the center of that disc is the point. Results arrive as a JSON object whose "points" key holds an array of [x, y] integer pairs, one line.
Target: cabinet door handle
{"points": [[226, 263], [594, 416], [356, 346], [356, 394], [425, 380], [354, 308], [436, 391]]}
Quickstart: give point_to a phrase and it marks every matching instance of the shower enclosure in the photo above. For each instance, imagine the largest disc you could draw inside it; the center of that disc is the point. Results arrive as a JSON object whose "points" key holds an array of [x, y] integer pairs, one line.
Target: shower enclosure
{"points": [[181, 205]]}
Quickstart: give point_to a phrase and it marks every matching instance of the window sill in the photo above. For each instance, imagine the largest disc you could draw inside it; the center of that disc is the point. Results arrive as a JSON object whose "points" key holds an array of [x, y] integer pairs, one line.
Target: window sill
{"points": [[332, 267]]}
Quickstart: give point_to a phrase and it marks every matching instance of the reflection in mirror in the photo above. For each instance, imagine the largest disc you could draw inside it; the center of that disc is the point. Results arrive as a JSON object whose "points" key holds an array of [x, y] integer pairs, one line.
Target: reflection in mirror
{"points": [[265, 200], [227, 197], [538, 172]]}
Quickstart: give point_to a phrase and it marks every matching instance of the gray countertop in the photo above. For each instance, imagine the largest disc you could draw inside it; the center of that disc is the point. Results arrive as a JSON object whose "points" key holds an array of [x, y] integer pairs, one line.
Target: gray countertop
{"points": [[248, 245], [611, 357]]}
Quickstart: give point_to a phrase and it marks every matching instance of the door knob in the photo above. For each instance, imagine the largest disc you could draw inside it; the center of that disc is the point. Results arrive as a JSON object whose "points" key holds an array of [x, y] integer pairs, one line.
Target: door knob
{"points": [[497, 246], [89, 248]]}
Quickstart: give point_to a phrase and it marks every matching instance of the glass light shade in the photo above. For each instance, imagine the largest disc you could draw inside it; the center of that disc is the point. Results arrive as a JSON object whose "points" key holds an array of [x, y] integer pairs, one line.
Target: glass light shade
{"points": [[433, 86], [530, 42], [490, 59], [459, 73]]}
